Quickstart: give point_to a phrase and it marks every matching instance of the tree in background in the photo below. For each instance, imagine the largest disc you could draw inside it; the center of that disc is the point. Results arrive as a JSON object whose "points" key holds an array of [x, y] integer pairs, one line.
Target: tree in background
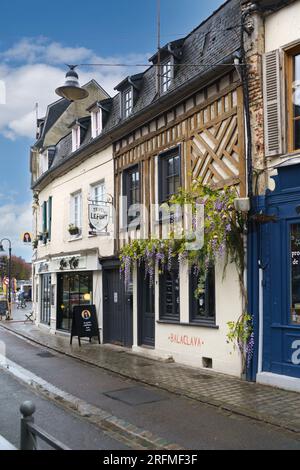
{"points": [[20, 269]]}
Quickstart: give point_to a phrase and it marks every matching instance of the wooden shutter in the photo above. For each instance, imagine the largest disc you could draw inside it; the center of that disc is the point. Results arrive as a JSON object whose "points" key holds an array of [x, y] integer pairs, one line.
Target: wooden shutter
{"points": [[44, 216], [49, 217], [272, 103]]}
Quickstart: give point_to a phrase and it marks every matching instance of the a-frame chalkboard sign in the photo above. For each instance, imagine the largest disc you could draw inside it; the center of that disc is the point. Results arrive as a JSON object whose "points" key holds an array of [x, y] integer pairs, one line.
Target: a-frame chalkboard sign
{"points": [[85, 323]]}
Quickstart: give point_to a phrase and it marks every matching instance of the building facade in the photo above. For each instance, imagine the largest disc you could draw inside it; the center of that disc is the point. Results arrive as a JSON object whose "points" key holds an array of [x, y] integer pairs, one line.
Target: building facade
{"points": [[67, 249], [274, 272], [182, 119]]}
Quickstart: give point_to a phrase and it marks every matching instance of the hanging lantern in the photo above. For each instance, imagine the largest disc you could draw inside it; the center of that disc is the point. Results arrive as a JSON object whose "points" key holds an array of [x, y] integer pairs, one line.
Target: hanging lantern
{"points": [[71, 90]]}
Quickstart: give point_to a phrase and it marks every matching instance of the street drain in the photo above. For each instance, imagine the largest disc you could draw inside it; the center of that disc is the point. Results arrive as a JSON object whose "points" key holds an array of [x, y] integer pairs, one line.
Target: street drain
{"points": [[135, 396], [45, 355]]}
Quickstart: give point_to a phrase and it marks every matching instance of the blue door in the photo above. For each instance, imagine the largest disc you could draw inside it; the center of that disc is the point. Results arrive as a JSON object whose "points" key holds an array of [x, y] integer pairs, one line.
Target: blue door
{"points": [[281, 254]]}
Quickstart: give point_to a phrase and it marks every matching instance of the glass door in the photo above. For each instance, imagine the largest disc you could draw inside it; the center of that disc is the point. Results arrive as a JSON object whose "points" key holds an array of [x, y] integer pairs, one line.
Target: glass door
{"points": [[46, 299], [73, 289]]}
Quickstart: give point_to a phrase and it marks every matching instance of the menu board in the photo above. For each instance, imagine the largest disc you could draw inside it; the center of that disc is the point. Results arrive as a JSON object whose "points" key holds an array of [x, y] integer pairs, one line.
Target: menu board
{"points": [[85, 323]]}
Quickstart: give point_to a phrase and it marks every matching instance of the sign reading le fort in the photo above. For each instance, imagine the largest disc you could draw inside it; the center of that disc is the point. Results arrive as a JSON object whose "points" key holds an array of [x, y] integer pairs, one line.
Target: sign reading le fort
{"points": [[99, 216]]}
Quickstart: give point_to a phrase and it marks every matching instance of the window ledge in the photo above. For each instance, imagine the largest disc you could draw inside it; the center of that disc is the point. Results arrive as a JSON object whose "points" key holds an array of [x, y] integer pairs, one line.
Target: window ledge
{"points": [[191, 324], [292, 154], [75, 238]]}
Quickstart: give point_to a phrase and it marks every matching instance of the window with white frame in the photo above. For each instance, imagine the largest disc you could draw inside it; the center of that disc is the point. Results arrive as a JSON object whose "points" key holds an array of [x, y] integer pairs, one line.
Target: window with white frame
{"points": [[75, 138], [99, 192], [166, 75], [127, 102], [76, 210], [96, 123], [44, 162]]}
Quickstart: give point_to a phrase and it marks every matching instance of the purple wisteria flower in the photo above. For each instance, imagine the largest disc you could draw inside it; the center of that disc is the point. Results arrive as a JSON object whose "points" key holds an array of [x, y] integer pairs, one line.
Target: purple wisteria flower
{"points": [[250, 350]]}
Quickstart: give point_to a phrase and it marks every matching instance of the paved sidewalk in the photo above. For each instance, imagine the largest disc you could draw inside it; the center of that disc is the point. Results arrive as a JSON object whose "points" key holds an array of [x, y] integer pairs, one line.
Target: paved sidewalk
{"points": [[267, 404]]}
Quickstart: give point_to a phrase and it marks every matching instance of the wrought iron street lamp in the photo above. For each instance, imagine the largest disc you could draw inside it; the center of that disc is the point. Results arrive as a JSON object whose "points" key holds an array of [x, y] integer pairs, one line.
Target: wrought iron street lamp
{"points": [[2, 250], [71, 90]]}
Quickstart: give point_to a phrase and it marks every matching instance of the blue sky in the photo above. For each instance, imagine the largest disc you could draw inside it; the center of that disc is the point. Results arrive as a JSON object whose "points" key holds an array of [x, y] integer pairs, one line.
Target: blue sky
{"points": [[35, 44]]}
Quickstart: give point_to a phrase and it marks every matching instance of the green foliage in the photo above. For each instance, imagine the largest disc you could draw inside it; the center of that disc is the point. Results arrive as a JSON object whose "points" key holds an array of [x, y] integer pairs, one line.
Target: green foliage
{"points": [[224, 234]]}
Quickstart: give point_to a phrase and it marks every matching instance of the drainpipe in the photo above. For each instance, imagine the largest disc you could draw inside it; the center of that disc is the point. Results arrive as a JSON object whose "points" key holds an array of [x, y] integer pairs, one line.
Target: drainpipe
{"points": [[245, 84], [244, 75], [260, 319]]}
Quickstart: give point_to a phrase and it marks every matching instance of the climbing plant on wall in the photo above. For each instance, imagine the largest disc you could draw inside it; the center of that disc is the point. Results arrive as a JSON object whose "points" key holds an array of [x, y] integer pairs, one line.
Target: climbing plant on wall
{"points": [[224, 239]]}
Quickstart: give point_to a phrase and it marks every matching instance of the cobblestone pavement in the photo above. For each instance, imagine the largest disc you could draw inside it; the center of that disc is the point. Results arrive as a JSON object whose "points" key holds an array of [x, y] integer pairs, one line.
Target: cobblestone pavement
{"points": [[267, 404]]}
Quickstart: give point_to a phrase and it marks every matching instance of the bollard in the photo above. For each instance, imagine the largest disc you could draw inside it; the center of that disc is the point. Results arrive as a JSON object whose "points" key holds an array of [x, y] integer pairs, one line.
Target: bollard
{"points": [[27, 439]]}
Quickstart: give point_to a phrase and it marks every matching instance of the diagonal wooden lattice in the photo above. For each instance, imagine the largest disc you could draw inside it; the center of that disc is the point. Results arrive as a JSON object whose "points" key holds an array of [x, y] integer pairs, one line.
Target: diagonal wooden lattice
{"points": [[214, 152]]}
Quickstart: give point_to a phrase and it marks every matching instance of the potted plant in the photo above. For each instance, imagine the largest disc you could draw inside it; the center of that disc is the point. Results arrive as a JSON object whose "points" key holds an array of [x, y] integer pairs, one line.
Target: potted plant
{"points": [[35, 243], [73, 230]]}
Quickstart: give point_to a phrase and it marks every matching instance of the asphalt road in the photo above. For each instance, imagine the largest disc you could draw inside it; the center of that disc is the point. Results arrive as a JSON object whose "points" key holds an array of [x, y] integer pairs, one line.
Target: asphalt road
{"points": [[190, 424], [70, 430]]}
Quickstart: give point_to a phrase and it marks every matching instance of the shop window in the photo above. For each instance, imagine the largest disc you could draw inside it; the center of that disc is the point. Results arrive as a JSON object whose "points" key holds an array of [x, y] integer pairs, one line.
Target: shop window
{"points": [[169, 293], [73, 289], [202, 296], [295, 273]]}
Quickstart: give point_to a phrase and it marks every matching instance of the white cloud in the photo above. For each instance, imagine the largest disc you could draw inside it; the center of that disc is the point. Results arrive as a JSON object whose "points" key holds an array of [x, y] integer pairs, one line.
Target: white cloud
{"points": [[33, 68], [14, 221]]}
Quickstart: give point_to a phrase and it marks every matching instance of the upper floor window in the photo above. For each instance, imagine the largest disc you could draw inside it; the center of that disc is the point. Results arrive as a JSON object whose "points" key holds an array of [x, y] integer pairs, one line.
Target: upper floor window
{"points": [[202, 296], [166, 75], [96, 123], [169, 174], [99, 192], [44, 162], [127, 102], [76, 140], [132, 189], [76, 210], [294, 99]]}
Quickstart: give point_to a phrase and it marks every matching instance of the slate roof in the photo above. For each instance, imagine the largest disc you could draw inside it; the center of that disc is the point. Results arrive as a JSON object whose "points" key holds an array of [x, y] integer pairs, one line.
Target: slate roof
{"points": [[209, 44], [54, 111]]}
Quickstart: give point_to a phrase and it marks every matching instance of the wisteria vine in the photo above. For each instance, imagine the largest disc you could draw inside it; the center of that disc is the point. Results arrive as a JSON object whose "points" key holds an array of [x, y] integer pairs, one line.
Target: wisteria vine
{"points": [[224, 230]]}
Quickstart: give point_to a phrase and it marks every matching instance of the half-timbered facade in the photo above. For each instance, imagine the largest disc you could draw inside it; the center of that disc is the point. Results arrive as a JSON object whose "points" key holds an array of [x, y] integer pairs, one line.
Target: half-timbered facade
{"points": [[195, 132]]}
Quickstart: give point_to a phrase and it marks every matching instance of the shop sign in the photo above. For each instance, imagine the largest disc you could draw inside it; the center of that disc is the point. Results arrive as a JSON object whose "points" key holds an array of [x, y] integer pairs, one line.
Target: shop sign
{"points": [[99, 213], [185, 340], [43, 268], [85, 323]]}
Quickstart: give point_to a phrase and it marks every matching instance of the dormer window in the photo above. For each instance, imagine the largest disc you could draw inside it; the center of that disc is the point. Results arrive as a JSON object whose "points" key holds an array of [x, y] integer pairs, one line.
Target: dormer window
{"points": [[96, 122], [127, 102], [76, 140], [129, 92], [166, 61], [166, 75]]}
